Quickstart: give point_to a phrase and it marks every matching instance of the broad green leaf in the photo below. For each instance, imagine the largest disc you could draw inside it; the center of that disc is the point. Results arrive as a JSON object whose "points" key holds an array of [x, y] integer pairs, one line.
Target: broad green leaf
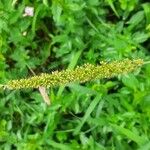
{"points": [[140, 37], [136, 19], [130, 81]]}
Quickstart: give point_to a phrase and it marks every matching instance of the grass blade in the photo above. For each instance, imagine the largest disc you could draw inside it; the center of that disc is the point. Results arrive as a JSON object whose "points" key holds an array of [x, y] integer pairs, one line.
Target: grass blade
{"points": [[129, 134], [88, 112], [71, 66]]}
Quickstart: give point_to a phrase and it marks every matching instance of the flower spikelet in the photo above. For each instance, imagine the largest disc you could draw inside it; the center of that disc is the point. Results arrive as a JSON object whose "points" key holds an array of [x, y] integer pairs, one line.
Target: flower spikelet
{"points": [[81, 74]]}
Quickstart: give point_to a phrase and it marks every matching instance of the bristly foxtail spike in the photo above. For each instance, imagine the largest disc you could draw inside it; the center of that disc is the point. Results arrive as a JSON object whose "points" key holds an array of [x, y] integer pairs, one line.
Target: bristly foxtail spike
{"points": [[81, 74]]}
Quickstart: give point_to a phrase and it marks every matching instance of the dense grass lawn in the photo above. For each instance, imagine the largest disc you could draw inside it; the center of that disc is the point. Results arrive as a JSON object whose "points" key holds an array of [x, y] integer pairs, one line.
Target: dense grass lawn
{"points": [[105, 114]]}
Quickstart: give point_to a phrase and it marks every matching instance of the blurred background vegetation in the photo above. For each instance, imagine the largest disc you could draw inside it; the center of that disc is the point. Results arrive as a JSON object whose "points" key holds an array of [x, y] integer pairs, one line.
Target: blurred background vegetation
{"points": [[98, 115]]}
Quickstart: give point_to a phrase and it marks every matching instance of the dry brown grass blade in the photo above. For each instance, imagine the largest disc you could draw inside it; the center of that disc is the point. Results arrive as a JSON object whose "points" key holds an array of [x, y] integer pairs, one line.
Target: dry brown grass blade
{"points": [[44, 95], [42, 90]]}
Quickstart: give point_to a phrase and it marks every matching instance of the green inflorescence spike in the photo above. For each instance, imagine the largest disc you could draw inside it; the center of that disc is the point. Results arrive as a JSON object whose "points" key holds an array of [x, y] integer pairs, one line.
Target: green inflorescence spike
{"points": [[81, 74]]}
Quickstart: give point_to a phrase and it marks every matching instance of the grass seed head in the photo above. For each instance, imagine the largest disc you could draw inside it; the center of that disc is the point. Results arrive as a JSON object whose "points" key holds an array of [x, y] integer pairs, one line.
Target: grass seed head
{"points": [[81, 74]]}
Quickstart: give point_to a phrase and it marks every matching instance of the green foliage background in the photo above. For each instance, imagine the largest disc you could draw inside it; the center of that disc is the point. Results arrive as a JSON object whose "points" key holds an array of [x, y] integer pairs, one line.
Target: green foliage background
{"points": [[102, 114]]}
